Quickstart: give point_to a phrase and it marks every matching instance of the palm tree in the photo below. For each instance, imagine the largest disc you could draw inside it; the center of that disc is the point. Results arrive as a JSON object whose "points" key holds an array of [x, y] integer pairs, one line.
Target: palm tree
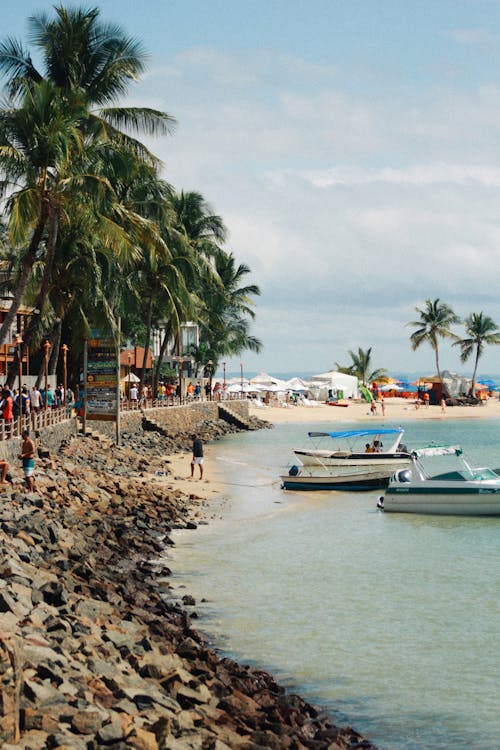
{"points": [[360, 367], [204, 230], [434, 323], [86, 64], [37, 140], [92, 63], [480, 330], [228, 308]]}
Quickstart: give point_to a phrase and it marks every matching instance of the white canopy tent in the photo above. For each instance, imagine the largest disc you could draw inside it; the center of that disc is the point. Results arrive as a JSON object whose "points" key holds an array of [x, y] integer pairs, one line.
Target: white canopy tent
{"points": [[297, 384], [337, 381], [268, 382]]}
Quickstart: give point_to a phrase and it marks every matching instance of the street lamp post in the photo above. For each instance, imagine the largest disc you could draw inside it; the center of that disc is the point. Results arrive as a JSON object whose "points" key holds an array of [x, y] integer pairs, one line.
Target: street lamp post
{"points": [[210, 365], [64, 349], [19, 344], [46, 347], [241, 376], [129, 359], [180, 380], [224, 370]]}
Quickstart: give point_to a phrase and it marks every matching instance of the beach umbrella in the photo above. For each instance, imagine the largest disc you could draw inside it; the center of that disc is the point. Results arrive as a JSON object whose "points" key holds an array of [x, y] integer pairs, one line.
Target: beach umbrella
{"points": [[296, 384], [130, 378]]}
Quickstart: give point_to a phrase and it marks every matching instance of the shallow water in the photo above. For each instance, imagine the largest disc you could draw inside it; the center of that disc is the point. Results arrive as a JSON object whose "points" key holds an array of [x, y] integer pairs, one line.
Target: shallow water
{"points": [[390, 622]]}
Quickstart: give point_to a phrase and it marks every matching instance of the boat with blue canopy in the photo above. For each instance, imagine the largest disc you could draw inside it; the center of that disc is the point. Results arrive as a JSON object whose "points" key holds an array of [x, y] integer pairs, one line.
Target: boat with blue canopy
{"points": [[358, 461], [362, 447]]}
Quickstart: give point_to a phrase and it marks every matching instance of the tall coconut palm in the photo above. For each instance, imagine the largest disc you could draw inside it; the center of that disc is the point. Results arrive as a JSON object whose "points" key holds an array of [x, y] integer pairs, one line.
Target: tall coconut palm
{"points": [[361, 367], [481, 330], [228, 308], [194, 218], [91, 62], [435, 322], [86, 64], [37, 141]]}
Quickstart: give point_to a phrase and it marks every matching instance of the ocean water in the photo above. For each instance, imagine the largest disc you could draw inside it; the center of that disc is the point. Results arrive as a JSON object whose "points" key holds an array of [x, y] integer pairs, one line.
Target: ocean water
{"points": [[389, 622]]}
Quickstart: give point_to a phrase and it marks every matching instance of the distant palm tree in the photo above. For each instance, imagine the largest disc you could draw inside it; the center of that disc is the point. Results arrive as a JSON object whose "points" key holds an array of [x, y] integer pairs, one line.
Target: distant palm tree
{"points": [[434, 323], [360, 367], [480, 330]]}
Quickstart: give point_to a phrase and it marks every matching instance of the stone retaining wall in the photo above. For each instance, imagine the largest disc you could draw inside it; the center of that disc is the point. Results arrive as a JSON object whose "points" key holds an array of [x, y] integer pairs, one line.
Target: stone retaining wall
{"points": [[50, 438], [174, 419]]}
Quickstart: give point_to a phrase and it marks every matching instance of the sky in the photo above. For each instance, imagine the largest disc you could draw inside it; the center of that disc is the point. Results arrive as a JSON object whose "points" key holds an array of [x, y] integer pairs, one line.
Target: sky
{"points": [[352, 149]]}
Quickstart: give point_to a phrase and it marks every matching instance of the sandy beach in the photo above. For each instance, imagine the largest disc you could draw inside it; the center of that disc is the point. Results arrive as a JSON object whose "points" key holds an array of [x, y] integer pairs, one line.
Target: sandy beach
{"points": [[396, 410]]}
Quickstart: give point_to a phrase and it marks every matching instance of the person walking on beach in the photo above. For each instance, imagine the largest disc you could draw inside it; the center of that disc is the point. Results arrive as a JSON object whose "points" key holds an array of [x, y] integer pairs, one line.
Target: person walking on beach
{"points": [[443, 406], [197, 459], [27, 457]]}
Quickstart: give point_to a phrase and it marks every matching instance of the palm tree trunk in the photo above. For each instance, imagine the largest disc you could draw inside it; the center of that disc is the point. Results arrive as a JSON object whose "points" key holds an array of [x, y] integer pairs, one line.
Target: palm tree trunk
{"points": [[473, 384], [163, 347], [147, 342], [436, 352], [41, 298], [56, 345], [26, 268]]}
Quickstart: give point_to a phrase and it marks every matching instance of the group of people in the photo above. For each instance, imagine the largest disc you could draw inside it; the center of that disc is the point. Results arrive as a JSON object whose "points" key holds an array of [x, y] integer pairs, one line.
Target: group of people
{"points": [[14, 403], [374, 403], [375, 447], [193, 392]]}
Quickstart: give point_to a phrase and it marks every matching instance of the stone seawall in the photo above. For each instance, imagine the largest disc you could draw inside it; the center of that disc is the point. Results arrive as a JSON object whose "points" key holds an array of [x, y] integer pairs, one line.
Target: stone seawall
{"points": [[173, 419], [50, 439]]}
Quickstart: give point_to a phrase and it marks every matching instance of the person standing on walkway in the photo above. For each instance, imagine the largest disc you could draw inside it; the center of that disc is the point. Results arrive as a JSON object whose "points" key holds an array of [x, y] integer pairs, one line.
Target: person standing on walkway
{"points": [[7, 407], [133, 393], [197, 459]]}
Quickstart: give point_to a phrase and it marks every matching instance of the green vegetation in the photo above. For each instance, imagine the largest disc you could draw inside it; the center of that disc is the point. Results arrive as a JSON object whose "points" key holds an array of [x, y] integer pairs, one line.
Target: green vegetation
{"points": [[92, 230], [361, 365], [435, 322], [480, 330]]}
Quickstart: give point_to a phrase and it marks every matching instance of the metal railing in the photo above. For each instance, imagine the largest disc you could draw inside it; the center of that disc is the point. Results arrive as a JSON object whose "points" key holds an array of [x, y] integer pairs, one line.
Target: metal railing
{"points": [[159, 403]]}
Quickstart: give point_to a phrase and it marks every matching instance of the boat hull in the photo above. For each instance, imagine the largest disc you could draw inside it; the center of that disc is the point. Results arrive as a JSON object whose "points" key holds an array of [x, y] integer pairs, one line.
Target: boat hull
{"points": [[432, 498], [345, 483]]}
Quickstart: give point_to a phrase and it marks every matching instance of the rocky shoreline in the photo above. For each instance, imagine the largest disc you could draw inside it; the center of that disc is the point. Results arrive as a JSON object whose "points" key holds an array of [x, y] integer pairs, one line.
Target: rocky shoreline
{"points": [[94, 652]]}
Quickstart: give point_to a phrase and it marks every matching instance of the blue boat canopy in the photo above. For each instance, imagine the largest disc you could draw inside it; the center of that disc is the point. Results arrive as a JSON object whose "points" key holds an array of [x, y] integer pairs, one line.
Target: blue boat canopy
{"points": [[357, 433]]}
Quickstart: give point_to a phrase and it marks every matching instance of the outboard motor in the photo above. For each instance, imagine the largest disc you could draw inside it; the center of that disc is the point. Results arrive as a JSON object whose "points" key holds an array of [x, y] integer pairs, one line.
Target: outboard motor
{"points": [[293, 472], [403, 475]]}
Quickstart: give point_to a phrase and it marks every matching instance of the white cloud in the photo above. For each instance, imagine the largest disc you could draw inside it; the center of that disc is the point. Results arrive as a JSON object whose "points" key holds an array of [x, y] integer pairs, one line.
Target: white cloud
{"points": [[350, 208]]}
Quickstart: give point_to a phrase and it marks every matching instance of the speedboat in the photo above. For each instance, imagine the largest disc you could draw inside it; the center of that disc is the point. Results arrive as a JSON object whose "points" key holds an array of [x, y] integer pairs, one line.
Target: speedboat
{"points": [[346, 478], [465, 491], [351, 449]]}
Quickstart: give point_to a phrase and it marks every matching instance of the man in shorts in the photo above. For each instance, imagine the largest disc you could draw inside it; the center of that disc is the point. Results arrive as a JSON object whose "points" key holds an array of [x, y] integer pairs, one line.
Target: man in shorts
{"points": [[27, 457], [197, 459]]}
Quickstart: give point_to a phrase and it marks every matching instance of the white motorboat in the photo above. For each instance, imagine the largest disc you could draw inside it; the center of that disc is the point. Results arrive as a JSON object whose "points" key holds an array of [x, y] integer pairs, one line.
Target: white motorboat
{"points": [[357, 448], [344, 478], [465, 491]]}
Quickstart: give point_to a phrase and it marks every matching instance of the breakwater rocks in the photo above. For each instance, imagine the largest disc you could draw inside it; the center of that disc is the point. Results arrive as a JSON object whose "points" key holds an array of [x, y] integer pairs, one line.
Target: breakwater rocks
{"points": [[94, 652]]}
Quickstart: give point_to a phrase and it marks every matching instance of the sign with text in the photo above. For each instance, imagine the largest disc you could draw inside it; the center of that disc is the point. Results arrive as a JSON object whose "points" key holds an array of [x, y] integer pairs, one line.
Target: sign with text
{"points": [[101, 376]]}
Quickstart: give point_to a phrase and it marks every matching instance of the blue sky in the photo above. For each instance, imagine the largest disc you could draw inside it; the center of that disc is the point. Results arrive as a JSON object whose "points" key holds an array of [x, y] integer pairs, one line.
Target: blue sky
{"points": [[353, 150]]}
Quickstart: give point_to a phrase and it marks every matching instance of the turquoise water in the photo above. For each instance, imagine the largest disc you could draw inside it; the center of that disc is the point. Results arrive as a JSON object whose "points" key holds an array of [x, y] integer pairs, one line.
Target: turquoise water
{"points": [[390, 622]]}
